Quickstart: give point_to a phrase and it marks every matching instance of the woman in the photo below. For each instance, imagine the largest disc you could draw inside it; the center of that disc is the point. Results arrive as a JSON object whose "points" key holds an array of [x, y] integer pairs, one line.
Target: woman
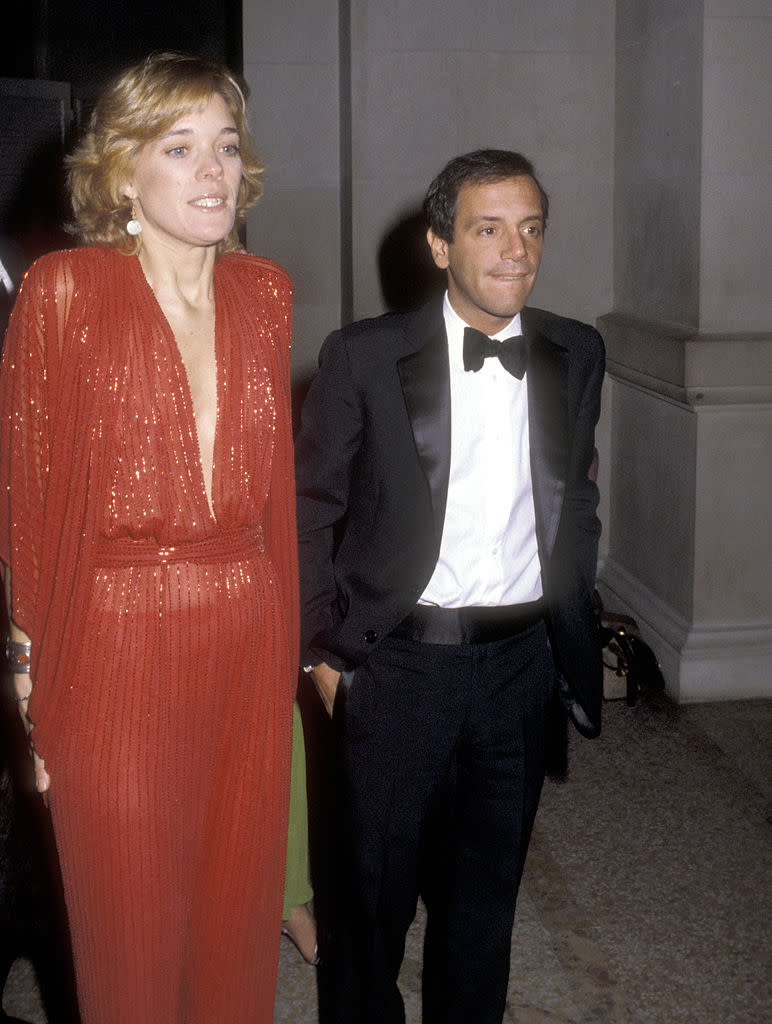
{"points": [[147, 529]]}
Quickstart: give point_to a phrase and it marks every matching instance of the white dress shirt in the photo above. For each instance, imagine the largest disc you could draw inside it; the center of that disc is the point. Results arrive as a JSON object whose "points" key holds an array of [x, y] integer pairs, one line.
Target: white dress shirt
{"points": [[488, 554]]}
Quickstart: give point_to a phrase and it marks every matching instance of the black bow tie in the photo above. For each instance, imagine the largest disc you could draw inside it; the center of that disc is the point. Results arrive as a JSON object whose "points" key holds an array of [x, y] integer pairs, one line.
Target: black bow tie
{"points": [[511, 353]]}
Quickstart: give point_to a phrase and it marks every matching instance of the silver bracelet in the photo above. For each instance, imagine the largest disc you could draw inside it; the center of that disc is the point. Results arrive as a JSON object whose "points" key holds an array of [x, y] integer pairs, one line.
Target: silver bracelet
{"points": [[17, 654]]}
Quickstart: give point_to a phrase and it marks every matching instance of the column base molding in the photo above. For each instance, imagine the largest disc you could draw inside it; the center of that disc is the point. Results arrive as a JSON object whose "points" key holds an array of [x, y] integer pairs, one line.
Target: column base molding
{"points": [[701, 661]]}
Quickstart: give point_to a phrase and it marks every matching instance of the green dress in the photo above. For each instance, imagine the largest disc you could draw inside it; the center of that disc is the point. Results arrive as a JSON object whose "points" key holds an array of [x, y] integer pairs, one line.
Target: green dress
{"points": [[297, 887]]}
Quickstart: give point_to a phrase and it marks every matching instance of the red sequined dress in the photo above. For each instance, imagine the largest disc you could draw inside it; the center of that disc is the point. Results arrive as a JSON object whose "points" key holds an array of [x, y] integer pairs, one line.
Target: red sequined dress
{"points": [[164, 632]]}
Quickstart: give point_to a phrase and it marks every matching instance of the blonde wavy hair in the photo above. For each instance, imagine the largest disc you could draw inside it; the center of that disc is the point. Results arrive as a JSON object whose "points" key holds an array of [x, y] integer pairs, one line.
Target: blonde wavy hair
{"points": [[141, 105]]}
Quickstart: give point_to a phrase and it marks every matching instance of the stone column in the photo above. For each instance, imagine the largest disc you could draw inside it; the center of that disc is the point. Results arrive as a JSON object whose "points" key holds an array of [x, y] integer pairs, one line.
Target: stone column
{"points": [[689, 344], [292, 66]]}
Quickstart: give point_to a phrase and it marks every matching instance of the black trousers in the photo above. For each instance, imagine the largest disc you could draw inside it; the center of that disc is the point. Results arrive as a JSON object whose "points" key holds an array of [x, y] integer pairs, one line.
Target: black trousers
{"points": [[442, 765]]}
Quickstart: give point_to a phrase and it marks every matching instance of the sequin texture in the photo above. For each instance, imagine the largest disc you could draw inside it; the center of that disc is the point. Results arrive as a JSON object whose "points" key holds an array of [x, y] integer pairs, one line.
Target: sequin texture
{"points": [[164, 631]]}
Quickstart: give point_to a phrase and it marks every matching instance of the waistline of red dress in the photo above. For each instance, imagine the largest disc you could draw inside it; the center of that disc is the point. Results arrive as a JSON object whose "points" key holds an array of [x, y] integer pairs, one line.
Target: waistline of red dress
{"points": [[115, 551]]}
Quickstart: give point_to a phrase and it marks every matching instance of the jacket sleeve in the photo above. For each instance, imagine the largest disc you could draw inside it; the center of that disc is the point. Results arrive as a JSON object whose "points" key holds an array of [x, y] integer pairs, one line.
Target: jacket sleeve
{"points": [[577, 541], [574, 628], [326, 449]]}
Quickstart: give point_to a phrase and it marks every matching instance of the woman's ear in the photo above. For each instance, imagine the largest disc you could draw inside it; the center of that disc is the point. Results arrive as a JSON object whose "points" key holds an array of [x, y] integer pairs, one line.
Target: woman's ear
{"points": [[127, 190]]}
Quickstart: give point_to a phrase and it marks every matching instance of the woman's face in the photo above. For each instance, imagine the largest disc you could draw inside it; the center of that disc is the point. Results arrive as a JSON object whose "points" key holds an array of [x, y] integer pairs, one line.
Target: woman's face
{"points": [[186, 182]]}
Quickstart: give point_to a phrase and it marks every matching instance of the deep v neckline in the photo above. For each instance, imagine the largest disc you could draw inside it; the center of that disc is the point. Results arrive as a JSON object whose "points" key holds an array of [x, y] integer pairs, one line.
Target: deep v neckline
{"points": [[187, 391]]}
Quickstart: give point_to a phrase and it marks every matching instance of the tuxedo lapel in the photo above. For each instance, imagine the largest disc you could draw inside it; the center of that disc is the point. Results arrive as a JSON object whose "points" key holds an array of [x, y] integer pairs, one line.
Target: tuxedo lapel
{"points": [[425, 378], [547, 379]]}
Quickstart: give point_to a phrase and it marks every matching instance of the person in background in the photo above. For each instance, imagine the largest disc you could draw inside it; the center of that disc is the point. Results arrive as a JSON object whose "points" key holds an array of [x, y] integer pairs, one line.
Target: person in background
{"points": [[447, 543], [147, 531], [298, 922]]}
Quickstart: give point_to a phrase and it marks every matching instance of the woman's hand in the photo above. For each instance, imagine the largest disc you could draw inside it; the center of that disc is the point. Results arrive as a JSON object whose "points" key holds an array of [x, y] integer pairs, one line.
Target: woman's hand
{"points": [[42, 778]]}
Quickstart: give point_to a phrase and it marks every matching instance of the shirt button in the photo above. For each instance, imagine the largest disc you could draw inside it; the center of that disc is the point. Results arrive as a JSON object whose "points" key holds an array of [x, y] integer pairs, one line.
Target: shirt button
{"points": [[369, 636]]}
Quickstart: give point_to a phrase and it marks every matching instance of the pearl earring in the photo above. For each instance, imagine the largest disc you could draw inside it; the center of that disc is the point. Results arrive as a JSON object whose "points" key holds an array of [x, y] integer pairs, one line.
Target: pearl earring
{"points": [[133, 227]]}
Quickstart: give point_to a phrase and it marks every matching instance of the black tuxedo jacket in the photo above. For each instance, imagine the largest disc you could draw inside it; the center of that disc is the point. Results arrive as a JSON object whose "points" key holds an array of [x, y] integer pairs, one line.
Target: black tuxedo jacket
{"points": [[372, 465]]}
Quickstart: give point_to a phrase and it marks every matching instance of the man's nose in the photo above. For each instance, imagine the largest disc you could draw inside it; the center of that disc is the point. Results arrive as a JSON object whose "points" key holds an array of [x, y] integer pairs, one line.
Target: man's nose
{"points": [[513, 246]]}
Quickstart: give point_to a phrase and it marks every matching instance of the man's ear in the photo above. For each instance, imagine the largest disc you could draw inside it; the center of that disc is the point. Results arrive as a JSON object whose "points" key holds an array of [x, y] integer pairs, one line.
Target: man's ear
{"points": [[439, 248]]}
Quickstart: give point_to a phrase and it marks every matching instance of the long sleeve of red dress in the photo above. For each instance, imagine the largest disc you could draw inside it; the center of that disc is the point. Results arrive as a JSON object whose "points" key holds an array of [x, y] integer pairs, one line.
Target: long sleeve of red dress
{"points": [[164, 631]]}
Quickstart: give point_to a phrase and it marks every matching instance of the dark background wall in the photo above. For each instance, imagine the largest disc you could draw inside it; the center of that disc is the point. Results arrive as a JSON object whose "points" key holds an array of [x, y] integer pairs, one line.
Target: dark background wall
{"points": [[51, 70], [85, 42]]}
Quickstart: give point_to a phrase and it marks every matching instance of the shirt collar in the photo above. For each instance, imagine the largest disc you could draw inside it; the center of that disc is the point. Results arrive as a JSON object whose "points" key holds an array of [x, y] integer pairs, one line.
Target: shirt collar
{"points": [[454, 328]]}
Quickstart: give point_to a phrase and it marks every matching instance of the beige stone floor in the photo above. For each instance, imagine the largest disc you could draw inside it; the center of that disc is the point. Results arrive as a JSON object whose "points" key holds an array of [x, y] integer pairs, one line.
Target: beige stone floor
{"points": [[647, 896]]}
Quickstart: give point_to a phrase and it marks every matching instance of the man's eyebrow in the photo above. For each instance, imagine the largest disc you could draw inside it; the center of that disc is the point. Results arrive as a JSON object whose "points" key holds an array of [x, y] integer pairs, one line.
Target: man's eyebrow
{"points": [[479, 218]]}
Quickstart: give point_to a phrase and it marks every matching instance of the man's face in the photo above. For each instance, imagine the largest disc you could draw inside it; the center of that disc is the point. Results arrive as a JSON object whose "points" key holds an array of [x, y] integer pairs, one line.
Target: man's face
{"points": [[495, 254]]}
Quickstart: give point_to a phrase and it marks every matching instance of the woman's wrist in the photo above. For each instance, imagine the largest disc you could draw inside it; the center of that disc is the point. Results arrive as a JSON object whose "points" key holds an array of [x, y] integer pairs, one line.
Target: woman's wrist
{"points": [[22, 693], [18, 655]]}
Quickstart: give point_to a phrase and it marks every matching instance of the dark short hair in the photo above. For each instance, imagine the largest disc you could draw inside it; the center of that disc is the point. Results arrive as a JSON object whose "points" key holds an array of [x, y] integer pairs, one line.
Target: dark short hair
{"points": [[483, 166]]}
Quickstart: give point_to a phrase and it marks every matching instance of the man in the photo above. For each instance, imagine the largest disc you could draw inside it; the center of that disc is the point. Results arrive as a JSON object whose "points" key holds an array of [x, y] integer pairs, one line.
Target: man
{"points": [[448, 541]]}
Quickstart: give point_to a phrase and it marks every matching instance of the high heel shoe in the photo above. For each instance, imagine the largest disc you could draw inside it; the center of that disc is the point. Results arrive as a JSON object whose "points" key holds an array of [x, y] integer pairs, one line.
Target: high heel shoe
{"points": [[300, 929]]}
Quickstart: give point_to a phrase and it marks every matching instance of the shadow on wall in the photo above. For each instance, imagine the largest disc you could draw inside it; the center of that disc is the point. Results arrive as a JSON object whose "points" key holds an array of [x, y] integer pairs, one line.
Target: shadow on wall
{"points": [[408, 276]]}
